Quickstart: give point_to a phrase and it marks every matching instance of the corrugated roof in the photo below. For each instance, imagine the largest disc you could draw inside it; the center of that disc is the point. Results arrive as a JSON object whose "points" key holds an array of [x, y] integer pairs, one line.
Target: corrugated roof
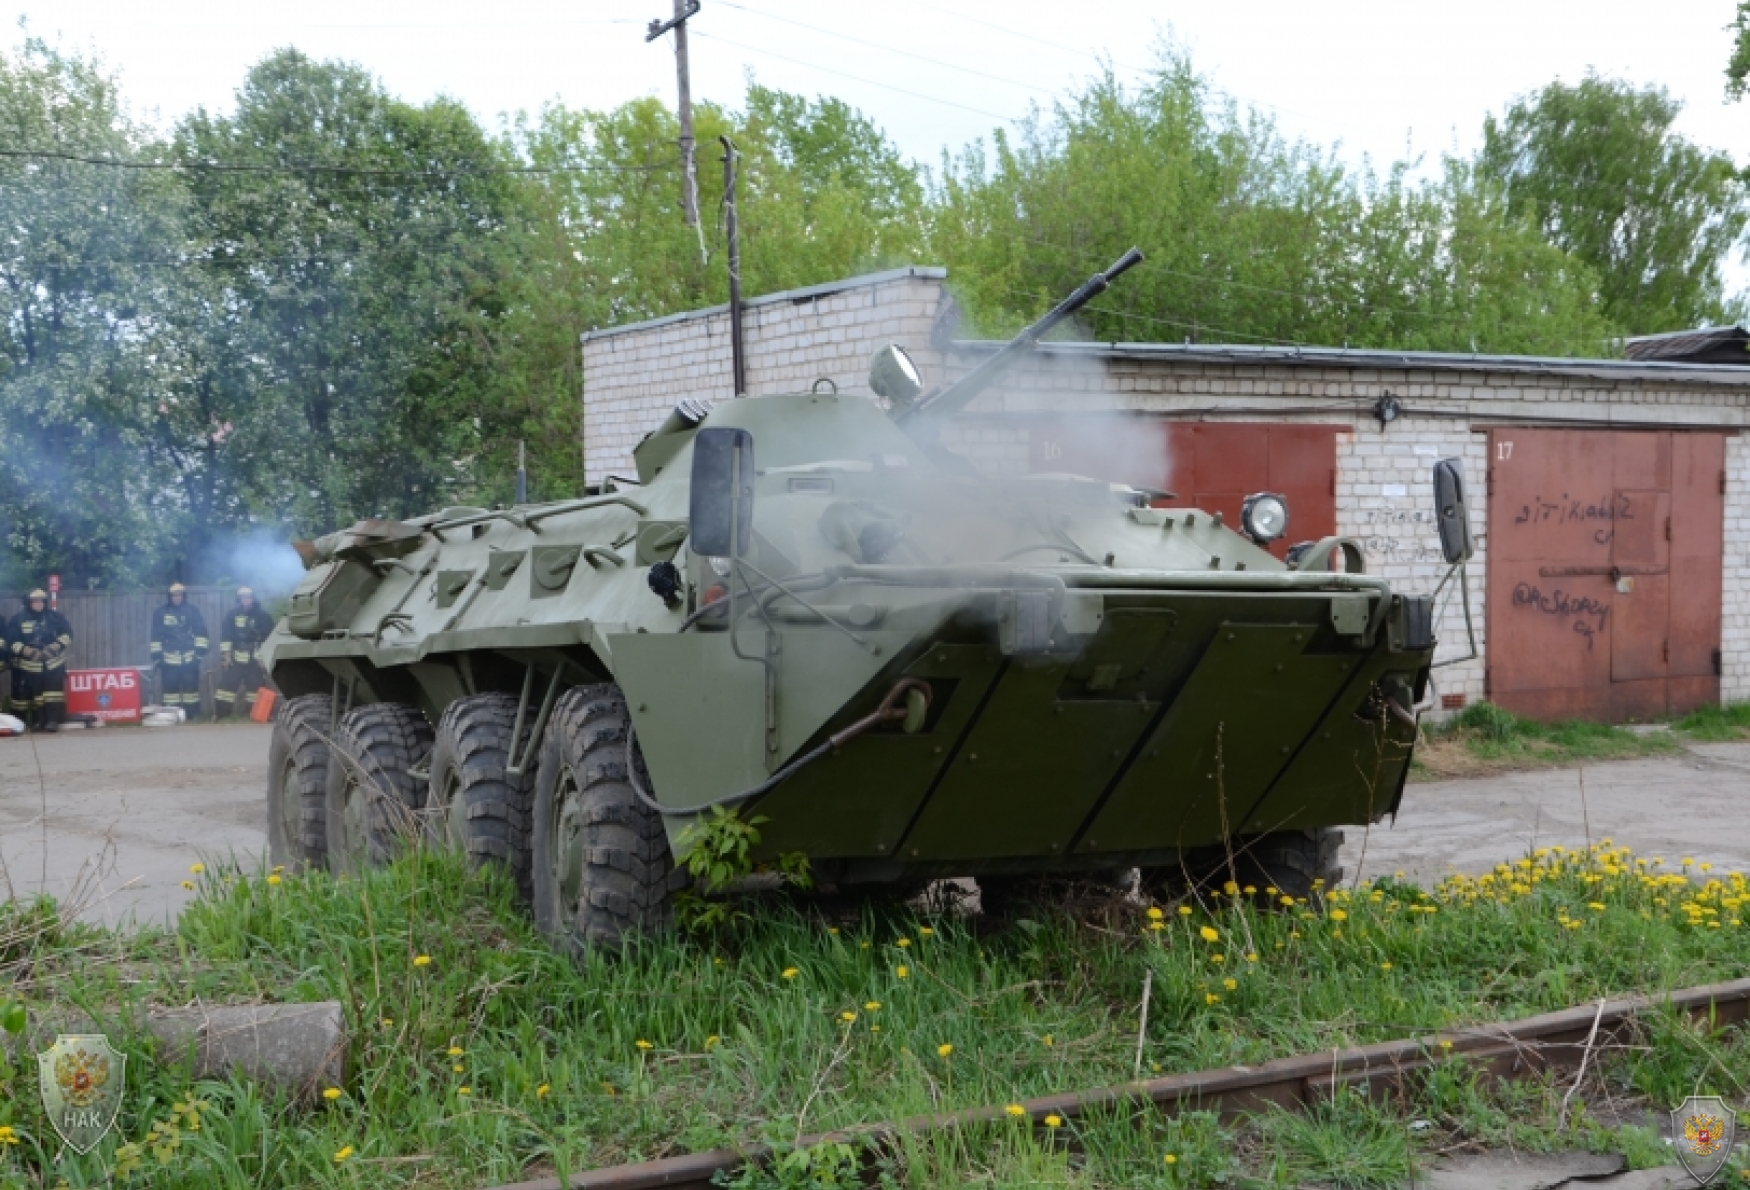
{"points": [[1711, 344]]}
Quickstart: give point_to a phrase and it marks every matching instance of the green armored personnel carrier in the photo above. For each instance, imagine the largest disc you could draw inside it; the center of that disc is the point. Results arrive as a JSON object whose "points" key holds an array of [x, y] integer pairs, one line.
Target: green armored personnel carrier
{"points": [[809, 610]]}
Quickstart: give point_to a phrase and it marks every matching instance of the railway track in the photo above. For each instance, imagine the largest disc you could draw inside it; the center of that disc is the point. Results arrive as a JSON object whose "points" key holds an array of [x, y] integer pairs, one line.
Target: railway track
{"points": [[1553, 1041]]}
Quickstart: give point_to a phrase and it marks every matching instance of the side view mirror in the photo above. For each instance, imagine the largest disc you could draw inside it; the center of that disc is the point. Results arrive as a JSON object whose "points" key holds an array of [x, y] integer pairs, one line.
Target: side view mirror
{"points": [[893, 375], [1450, 511], [720, 508]]}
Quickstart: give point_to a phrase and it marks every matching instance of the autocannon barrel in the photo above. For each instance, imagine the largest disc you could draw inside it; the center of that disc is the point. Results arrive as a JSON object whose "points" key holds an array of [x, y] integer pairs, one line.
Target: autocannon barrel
{"points": [[955, 397]]}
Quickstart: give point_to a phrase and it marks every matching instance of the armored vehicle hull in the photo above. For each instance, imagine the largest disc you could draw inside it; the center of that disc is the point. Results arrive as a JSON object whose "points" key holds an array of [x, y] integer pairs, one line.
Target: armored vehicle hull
{"points": [[809, 611]]}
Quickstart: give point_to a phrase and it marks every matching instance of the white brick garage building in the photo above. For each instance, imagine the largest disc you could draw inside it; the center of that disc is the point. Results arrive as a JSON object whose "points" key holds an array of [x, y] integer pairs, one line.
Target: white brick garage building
{"points": [[1610, 499]]}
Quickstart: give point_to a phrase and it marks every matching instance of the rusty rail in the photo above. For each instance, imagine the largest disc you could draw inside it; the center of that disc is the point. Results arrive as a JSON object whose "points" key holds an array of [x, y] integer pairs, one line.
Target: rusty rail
{"points": [[1555, 1040]]}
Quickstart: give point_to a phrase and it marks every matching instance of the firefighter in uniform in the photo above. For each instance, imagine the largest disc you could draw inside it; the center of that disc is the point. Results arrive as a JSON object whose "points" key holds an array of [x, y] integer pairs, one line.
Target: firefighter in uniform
{"points": [[179, 645], [38, 639], [246, 629]]}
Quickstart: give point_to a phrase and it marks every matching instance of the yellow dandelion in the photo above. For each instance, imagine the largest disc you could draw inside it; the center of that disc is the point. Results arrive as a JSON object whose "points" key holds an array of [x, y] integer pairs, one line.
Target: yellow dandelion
{"points": [[197, 869], [713, 1040], [541, 1091], [1211, 998], [872, 1006], [387, 1022], [1184, 911], [643, 1044], [1339, 915], [847, 1017], [1218, 958], [1285, 900], [1595, 906], [1015, 1109], [423, 960], [1154, 913], [273, 879], [790, 972], [1252, 957], [455, 1051], [188, 884], [903, 943], [1251, 890], [902, 972], [1157, 925], [331, 1093], [1385, 966], [1230, 984], [943, 1050], [1171, 1159], [1054, 1121], [456, 1069], [1209, 934], [343, 1154], [1048, 1040], [832, 929], [925, 931], [464, 1090]]}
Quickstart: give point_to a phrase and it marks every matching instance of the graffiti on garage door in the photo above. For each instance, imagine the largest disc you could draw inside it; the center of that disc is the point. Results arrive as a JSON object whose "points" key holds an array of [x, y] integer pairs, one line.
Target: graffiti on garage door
{"points": [[1604, 564]]}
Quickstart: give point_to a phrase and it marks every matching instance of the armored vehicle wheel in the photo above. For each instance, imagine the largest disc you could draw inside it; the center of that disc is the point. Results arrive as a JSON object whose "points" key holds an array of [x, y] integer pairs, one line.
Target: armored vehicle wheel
{"points": [[474, 805], [1288, 861], [373, 797], [602, 869], [297, 783]]}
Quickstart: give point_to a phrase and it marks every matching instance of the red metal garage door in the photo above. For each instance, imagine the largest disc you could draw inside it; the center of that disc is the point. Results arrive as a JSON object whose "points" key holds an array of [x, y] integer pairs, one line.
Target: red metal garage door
{"points": [[1604, 556], [1212, 466]]}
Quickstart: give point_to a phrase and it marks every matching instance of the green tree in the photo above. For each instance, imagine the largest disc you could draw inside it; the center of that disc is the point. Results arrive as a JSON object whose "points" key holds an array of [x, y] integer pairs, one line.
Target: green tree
{"points": [[823, 194], [1249, 237], [88, 484], [1599, 168], [365, 259]]}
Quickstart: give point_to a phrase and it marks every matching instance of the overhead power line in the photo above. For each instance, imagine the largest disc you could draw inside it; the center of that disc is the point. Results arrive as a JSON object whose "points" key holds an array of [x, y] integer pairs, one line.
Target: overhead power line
{"points": [[887, 49], [313, 167], [837, 73]]}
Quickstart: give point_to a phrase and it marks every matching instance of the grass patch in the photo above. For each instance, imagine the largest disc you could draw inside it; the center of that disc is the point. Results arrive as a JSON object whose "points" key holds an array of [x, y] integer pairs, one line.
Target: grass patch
{"points": [[494, 1059], [1485, 738]]}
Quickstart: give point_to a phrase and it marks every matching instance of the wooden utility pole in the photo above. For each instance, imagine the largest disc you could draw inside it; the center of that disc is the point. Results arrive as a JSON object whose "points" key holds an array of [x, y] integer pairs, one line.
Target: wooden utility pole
{"points": [[683, 9], [732, 232]]}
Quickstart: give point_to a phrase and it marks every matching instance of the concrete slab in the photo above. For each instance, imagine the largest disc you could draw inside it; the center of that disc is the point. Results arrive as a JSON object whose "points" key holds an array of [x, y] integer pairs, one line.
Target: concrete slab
{"points": [[1691, 804], [1496, 1170], [112, 819]]}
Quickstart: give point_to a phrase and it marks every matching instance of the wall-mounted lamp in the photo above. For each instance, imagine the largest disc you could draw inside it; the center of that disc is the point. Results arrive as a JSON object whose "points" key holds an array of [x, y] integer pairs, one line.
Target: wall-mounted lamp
{"points": [[1386, 409]]}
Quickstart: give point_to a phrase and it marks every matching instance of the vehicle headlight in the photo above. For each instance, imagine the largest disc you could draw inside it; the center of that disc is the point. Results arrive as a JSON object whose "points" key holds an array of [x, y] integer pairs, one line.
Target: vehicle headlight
{"points": [[1264, 516]]}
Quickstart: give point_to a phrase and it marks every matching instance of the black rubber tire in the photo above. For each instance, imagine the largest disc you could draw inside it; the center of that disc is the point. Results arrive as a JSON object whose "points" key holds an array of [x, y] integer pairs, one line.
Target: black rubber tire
{"points": [[1288, 861], [1292, 861], [373, 799], [473, 804], [297, 783], [602, 871]]}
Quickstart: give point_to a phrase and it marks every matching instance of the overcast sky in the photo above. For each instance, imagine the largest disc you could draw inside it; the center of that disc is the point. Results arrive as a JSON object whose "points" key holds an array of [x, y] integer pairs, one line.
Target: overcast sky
{"points": [[1383, 77]]}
